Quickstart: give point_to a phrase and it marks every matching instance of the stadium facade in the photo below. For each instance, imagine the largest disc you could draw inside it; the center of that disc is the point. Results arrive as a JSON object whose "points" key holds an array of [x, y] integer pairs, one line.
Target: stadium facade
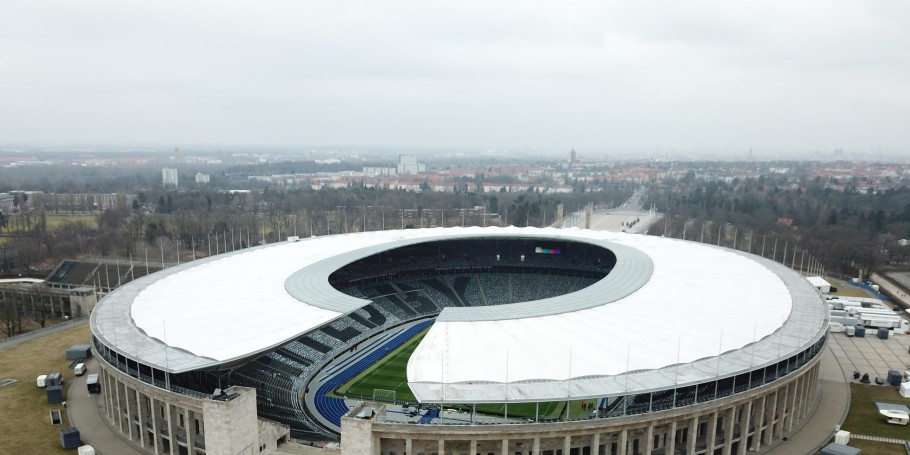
{"points": [[673, 346]]}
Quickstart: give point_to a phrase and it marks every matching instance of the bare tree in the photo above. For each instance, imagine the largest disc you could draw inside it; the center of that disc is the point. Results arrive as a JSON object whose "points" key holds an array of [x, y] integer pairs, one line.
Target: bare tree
{"points": [[11, 314], [42, 305]]}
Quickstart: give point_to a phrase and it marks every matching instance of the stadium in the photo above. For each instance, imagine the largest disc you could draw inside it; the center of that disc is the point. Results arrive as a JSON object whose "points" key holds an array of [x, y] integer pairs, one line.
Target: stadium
{"points": [[463, 341]]}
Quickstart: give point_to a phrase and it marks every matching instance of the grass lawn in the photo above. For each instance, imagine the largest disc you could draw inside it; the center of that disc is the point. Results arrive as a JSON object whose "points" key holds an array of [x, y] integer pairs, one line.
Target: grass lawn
{"points": [[878, 448], [844, 289], [53, 221], [30, 431], [864, 419]]}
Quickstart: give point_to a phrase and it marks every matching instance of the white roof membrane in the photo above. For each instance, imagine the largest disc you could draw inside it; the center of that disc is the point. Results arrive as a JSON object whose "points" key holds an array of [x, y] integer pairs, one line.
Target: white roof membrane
{"points": [[701, 302], [666, 302]]}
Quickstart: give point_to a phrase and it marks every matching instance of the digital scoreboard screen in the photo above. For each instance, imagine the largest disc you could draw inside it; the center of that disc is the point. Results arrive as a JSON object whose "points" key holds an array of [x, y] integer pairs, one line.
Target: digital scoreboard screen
{"points": [[541, 250]]}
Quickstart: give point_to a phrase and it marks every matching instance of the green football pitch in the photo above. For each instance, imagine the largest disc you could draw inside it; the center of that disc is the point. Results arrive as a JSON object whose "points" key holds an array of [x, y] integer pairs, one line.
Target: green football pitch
{"points": [[390, 373]]}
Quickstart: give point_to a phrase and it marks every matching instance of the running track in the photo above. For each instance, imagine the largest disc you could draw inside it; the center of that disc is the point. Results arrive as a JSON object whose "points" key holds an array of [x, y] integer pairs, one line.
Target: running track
{"points": [[334, 408]]}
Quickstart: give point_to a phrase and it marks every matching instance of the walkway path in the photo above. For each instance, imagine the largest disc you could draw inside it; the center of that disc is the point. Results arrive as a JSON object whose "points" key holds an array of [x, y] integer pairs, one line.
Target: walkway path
{"points": [[84, 411], [878, 438]]}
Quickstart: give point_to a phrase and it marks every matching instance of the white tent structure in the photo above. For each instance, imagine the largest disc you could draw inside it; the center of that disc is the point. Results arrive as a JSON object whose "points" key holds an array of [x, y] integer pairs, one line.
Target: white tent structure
{"points": [[820, 283]]}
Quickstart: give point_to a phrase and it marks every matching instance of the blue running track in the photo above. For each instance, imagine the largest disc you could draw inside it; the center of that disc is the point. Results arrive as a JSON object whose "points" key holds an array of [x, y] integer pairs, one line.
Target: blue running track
{"points": [[429, 416], [334, 408]]}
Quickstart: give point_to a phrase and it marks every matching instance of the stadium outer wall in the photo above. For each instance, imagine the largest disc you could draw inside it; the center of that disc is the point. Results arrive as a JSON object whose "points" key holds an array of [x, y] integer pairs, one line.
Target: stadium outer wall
{"points": [[740, 423], [160, 421]]}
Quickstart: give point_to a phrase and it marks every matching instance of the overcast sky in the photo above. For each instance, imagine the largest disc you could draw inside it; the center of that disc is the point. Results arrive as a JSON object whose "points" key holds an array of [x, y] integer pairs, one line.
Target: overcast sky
{"points": [[606, 75]]}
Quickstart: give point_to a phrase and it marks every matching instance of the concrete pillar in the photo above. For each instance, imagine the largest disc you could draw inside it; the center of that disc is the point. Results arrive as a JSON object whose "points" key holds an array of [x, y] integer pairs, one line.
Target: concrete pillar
{"points": [[189, 423], [408, 446], [759, 420], [171, 411], [693, 435], [813, 387], [119, 412], [623, 442], [442, 447], [535, 447], [130, 411], [728, 430], [770, 414], [595, 444], [784, 414], [141, 411], [804, 397], [671, 438], [566, 444], [648, 445], [109, 399], [156, 425], [473, 447], [791, 408], [744, 422], [712, 433], [503, 451]]}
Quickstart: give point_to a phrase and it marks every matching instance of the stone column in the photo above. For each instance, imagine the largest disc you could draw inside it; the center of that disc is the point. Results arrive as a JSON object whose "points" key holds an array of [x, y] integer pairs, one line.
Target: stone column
{"points": [[771, 416], [784, 415], [759, 424], [693, 435], [566, 445], [171, 411], [712, 433], [791, 408], [118, 412], [671, 438], [142, 410], [111, 391], [503, 451], [189, 422], [728, 431], [649, 441], [804, 397], [442, 447], [623, 442], [744, 427], [535, 447], [156, 426], [129, 413], [595, 444], [408, 446]]}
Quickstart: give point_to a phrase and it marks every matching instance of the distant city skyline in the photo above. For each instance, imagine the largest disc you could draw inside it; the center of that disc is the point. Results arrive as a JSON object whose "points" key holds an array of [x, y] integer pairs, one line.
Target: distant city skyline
{"points": [[706, 76]]}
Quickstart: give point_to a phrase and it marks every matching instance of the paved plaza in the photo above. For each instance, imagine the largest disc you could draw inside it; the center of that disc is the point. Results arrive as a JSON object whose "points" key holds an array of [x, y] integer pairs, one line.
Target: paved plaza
{"points": [[871, 355]]}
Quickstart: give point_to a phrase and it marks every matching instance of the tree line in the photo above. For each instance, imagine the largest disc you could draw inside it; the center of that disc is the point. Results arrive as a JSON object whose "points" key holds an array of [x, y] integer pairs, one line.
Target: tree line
{"points": [[851, 230]]}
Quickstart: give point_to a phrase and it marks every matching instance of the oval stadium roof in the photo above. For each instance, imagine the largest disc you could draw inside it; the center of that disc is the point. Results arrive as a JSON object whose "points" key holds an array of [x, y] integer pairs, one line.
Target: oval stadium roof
{"points": [[665, 312]]}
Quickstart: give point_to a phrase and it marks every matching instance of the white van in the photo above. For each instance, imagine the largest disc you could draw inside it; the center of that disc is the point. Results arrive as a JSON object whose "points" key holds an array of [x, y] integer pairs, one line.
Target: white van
{"points": [[42, 381], [79, 369]]}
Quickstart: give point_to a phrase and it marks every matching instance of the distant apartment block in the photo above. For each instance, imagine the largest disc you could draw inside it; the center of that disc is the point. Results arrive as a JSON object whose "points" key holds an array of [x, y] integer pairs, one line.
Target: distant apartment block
{"points": [[202, 179], [169, 177], [379, 171], [407, 164]]}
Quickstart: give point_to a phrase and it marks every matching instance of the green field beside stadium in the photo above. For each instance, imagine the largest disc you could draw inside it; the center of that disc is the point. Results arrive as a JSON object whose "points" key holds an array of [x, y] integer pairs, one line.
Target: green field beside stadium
{"points": [[390, 374]]}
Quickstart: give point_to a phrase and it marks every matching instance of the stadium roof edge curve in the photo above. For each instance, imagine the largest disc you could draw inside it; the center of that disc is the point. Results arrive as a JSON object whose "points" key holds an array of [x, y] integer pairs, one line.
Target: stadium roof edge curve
{"points": [[694, 311], [633, 269]]}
